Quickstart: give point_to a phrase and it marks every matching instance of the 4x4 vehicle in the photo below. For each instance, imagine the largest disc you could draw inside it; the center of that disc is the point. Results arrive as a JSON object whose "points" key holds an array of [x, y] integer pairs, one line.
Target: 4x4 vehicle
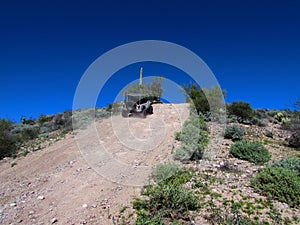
{"points": [[138, 104]]}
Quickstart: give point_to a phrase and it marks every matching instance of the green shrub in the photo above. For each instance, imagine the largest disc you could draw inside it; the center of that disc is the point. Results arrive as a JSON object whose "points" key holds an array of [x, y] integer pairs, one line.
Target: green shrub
{"points": [[164, 171], [293, 124], [234, 132], [144, 219], [194, 139], [259, 122], [269, 134], [294, 140], [43, 119], [278, 183], [8, 145], [242, 110], [193, 149], [251, 151], [205, 101], [29, 133], [29, 121], [177, 136], [102, 112], [292, 163], [167, 201]]}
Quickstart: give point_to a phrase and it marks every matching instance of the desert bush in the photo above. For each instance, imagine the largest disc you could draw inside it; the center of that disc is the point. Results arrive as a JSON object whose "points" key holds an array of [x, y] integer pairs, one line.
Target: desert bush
{"points": [[269, 134], [294, 140], [194, 149], [164, 171], [292, 163], [7, 139], [261, 117], [234, 132], [278, 183], [29, 133], [209, 102], [261, 114], [197, 97], [251, 151], [24, 132], [242, 110], [194, 141], [44, 118], [29, 121], [292, 125], [48, 127], [259, 122], [67, 120], [169, 200], [82, 118], [193, 137], [103, 113]]}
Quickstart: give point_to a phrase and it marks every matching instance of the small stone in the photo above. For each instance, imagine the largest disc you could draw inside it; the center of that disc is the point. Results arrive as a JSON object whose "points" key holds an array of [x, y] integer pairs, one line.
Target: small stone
{"points": [[13, 204], [94, 206], [31, 212], [53, 220], [41, 197], [84, 205]]}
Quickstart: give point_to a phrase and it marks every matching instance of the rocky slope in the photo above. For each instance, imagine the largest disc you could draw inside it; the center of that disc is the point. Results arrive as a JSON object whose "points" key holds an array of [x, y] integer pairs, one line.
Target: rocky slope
{"points": [[91, 175]]}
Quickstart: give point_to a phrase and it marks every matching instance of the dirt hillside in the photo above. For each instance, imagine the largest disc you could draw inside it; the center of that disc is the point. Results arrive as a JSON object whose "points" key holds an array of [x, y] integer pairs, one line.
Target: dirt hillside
{"points": [[88, 176]]}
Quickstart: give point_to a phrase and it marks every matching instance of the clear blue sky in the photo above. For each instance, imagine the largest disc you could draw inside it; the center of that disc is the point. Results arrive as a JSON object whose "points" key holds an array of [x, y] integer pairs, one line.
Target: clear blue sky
{"points": [[253, 47]]}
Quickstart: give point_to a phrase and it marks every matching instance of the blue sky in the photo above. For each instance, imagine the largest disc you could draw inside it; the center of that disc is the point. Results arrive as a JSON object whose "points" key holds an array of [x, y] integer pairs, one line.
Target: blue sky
{"points": [[252, 47]]}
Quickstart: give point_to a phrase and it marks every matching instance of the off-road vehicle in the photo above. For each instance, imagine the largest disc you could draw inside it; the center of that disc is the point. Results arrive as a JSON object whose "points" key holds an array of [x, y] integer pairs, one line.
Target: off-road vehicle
{"points": [[139, 104]]}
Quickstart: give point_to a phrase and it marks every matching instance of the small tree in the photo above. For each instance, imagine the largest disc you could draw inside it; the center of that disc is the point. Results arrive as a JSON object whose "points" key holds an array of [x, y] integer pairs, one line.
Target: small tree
{"points": [[242, 110], [205, 100]]}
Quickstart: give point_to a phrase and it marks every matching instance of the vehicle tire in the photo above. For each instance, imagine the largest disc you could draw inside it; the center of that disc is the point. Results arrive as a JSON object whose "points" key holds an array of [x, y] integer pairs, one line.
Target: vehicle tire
{"points": [[124, 113], [150, 110], [144, 113]]}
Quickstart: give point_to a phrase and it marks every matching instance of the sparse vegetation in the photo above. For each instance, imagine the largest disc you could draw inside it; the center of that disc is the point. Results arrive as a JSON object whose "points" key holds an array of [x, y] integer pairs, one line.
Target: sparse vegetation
{"points": [[209, 102], [217, 190], [164, 171], [194, 139], [251, 151], [279, 183], [294, 140], [292, 163], [15, 135], [167, 201], [234, 132]]}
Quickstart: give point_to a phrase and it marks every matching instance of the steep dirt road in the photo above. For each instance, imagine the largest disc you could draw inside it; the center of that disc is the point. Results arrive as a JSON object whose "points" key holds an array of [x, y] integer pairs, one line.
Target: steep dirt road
{"points": [[87, 178]]}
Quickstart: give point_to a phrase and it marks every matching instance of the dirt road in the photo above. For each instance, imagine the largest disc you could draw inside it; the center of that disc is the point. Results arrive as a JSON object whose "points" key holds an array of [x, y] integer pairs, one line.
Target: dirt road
{"points": [[87, 178]]}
